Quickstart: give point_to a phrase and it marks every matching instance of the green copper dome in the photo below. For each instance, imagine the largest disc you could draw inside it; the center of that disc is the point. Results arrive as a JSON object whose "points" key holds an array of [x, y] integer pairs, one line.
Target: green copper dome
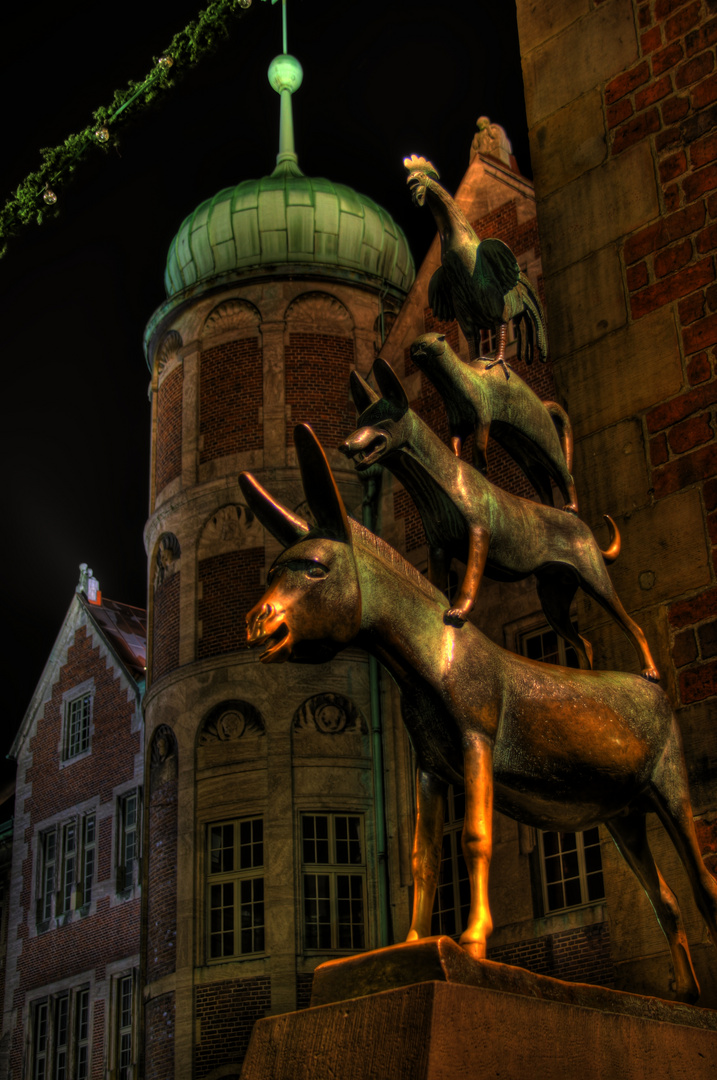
{"points": [[287, 219]]}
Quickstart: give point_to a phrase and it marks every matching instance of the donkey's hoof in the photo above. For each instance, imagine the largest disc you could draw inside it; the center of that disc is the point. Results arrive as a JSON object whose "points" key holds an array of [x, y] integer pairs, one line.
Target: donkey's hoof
{"points": [[454, 617], [475, 949], [571, 508], [651, 674]]}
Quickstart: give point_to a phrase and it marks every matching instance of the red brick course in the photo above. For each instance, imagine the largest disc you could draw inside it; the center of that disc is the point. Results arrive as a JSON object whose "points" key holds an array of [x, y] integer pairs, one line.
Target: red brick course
{"points": [[579, 955], [317, 386], [227, 1012], [162, 875], [168, 460], [231, 585], [165, 627], [231, 395], [159, 1037]]}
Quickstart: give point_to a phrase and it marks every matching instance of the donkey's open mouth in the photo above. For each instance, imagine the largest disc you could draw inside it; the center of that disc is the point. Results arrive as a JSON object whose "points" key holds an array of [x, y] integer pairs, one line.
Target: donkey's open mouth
{"points": [[274, 644]]}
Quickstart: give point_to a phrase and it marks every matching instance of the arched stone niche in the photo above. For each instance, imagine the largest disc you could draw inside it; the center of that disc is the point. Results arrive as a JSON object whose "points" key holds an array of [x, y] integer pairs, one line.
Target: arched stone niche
{"points": [[329, 724], [168, 351], [163, 757], [232, 731], [318, 313], [235, 316], [166, 559], [165, 606]]}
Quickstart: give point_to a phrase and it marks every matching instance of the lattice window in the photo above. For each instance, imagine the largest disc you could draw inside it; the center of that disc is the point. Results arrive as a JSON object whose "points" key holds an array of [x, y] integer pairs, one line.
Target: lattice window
{"points": [[334, 896], [235, 888], [452, 903]]}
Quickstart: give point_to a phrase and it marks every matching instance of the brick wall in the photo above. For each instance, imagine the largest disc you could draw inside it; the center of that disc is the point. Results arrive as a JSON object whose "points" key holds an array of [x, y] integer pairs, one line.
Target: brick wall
{"points": [[231, 390], [317, 386], [159, 1038], [304, 984], [580, 955], [230, 586], [98, 1040], [162, 876], [168, 461], [165, 627], [668, 98], [113, 743], [226, 1012]]}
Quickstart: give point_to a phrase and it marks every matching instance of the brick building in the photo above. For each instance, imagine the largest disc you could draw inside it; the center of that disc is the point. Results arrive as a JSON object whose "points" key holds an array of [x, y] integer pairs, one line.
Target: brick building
{"points": [[71, 970]]}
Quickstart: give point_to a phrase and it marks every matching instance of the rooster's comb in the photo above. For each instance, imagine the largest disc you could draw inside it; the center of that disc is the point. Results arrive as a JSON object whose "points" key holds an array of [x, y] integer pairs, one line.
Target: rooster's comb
{"points": [[414, 163]]}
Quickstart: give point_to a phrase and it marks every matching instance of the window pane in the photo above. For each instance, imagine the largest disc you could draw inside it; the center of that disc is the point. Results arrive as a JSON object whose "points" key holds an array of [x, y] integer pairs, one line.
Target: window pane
{"points": [[596, 886]]}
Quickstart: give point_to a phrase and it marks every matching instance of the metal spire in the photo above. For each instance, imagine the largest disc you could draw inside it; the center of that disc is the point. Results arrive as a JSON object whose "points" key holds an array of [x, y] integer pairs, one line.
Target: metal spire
{"points": [[285, 76]]}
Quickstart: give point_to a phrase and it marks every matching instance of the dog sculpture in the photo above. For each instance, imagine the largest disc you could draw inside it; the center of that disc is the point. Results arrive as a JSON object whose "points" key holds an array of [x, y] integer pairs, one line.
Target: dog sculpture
{"points": [[493, 532], [479, 399], [553, 747]]}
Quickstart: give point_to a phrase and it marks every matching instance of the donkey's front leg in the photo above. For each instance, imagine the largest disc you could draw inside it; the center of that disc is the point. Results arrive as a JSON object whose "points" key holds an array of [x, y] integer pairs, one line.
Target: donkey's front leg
{"points": [[478, 544], [478, 842], [426, 856]]}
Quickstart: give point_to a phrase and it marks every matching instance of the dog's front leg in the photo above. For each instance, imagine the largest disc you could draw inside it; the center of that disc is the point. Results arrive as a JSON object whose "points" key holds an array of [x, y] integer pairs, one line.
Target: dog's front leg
{"points": [[478, 544]]}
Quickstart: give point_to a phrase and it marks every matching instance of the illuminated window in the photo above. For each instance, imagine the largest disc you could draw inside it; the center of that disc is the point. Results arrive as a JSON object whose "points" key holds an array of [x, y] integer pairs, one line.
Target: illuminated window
{"points": [[452, 903], [60, 1036], [235, 888], [334, 881]]}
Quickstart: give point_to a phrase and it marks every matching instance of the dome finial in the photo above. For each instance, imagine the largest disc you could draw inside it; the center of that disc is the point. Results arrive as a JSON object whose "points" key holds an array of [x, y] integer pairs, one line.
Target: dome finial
{"points": [[285, 76]]}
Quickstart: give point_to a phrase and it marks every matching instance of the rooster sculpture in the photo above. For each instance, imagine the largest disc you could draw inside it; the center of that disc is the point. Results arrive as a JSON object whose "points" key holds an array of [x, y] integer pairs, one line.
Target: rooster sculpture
{"points": [[479, 282]]}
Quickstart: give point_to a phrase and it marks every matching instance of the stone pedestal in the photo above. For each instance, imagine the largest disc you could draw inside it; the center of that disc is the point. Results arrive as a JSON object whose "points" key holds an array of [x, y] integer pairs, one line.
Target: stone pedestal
{"points": [[475, 1020]]}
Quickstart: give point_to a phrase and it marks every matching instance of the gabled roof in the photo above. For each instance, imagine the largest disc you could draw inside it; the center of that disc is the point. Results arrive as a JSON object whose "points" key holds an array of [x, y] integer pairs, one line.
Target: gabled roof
{"points": [[122, 631]]}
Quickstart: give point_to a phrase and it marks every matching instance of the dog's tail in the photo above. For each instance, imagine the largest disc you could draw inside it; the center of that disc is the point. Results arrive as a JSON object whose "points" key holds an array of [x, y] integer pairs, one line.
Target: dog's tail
{"points": [[564, 428], [614, 549]]}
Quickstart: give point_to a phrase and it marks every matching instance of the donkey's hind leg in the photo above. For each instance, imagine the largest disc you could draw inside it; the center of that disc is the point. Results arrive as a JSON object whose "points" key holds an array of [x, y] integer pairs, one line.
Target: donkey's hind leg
{"points": [[671, 797], [427, 845], [556, 592], [630, 836]]}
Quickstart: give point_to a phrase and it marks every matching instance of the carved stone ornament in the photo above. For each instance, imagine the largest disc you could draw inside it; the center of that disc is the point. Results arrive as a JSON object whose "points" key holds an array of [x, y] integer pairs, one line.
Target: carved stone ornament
{"points": [[168, 553], [231, 528], [164, 746], [232, 314], [168, 350], [331, 714], [318, 312], [229, 721], [492, 140]]}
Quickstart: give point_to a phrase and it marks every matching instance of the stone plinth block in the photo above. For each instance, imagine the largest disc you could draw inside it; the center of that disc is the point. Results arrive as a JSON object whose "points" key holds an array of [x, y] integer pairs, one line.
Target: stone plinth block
{"points": [[476, 1020]]}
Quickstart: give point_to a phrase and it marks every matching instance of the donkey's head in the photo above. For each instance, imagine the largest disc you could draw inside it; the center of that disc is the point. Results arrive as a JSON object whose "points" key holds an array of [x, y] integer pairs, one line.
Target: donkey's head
{"points": [[383, 421], [312, 606]]}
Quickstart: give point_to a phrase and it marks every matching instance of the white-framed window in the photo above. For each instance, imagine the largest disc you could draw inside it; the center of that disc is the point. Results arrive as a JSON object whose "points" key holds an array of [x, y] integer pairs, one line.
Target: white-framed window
{"points": [[571, 869], [489, 339], [570, 862], [235, 888], [333, 882], [452, 903], [65, 868], [125, 1026], [129, 807], [77, 724], [60, 1025]]}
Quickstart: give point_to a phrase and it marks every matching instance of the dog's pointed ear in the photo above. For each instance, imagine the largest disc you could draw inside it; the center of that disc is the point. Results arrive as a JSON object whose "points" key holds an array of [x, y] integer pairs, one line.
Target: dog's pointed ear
{"points": [[389, 384], [361, 392], [320, 488], [276, 519]]}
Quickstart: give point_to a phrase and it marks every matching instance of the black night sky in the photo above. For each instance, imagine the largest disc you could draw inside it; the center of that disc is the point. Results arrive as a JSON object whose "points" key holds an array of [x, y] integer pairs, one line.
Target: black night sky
{"points": [[381, 80]]}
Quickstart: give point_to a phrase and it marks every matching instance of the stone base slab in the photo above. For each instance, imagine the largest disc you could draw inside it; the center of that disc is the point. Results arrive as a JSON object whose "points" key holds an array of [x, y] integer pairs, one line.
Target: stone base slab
{"points": [[469, 1028]]}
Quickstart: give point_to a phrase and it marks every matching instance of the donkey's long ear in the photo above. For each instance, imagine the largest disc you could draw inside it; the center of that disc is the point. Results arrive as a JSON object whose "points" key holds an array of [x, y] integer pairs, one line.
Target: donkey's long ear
{"points": [[320, 488], [389, 384], [362, 393], [280, 522]]}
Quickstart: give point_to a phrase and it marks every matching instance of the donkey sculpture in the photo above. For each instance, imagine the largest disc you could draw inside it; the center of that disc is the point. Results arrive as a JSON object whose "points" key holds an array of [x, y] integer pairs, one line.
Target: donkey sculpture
{"points": [[552, 747], [493, 532], [479, 399]]}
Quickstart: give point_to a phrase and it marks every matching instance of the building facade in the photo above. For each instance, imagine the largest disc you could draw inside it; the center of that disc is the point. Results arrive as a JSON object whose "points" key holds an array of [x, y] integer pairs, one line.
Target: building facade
{"points": [[71, 971]]}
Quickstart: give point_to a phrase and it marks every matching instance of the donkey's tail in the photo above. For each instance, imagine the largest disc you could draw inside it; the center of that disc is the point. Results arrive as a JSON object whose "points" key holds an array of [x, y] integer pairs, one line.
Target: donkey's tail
{"points": [[564, 428], [614, 549]]}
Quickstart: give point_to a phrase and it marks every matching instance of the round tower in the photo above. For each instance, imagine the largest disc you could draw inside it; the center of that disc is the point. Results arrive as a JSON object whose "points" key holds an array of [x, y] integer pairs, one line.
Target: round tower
{"points": [[262, 851]]}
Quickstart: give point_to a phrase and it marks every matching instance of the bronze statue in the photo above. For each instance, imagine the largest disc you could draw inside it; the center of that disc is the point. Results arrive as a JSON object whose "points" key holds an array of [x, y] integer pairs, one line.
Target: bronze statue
{"points": [[478, 399], [479, 282], [553, 747], [493, 532]]}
